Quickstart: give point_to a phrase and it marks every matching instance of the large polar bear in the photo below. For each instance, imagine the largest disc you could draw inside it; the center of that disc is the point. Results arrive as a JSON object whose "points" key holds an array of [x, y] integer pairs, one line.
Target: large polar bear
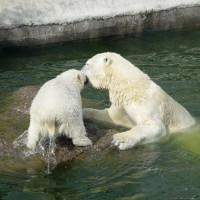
{"points": [[137, 102], [57, 109]]}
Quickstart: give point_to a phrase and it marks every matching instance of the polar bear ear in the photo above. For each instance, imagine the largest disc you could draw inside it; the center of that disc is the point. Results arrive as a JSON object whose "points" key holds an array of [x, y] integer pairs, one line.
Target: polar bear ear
{"points": [[79, 77], [107, 61]]}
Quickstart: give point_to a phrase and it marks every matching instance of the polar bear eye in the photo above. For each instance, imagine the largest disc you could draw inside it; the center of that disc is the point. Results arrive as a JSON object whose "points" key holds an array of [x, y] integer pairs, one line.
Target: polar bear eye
{"points": [[105, 60]]}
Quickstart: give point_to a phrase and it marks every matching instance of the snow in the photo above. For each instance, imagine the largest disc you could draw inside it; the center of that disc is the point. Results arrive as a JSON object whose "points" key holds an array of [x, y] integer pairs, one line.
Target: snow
{"points": [[37, 12]]}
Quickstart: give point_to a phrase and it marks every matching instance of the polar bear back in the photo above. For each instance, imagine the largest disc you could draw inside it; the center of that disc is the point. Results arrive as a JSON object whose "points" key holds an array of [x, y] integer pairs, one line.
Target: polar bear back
{"points": [[173, 114], [57, 100]]}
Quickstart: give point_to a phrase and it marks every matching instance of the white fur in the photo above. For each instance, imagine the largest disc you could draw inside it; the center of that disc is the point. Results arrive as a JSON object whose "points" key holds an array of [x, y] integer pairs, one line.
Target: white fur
{"points": [[57, 110], [137, 102]]}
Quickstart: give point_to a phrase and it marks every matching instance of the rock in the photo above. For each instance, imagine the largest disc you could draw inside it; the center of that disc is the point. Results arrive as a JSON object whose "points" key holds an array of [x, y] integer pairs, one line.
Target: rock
{"points": [[23, 98], [15, 121]]}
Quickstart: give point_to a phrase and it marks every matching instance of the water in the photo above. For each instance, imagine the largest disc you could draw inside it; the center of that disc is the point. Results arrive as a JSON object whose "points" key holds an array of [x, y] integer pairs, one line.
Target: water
{"points": [[167, 169]]}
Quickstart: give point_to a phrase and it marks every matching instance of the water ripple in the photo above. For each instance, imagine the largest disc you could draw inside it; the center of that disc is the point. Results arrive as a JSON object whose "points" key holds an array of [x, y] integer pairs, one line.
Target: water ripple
{"points": [[168, 169]]}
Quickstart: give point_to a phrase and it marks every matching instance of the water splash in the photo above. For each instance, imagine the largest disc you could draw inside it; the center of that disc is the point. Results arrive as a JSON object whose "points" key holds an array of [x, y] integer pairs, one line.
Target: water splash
{"points": [[21, 141], [50, 156], [45, 147]]}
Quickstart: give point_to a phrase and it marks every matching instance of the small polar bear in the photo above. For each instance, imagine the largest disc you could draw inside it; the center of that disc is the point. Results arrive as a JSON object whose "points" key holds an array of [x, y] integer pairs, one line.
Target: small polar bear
{"points": [[136, 102], [57, 109]]}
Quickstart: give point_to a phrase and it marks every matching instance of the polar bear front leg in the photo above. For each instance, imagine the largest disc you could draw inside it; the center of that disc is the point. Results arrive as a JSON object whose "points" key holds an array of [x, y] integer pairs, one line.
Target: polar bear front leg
{"points": [[113, 115], [97, 115], [143, 133]]}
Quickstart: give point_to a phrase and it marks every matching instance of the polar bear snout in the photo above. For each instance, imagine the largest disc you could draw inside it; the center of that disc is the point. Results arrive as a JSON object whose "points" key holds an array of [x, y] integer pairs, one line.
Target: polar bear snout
{"points": [[84, 71], [86, 80]]}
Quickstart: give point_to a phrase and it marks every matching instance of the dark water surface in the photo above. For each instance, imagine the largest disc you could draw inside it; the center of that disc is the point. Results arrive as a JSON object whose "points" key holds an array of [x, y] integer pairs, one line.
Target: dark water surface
{"points": [[167, 169]]}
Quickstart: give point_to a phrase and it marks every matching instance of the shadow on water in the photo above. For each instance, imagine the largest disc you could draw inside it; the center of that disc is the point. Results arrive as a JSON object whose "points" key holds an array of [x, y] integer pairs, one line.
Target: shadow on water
{"points": [[167, 169]]}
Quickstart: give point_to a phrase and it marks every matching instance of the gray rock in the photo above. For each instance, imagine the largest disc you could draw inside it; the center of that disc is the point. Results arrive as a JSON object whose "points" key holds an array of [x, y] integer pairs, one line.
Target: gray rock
{"points": [[15, 121]]}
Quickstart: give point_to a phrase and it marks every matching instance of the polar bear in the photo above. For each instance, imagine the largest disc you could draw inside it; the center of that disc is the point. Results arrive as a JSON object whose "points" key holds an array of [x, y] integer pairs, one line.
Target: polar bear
{"points": [[57, 109], [136, 102]]}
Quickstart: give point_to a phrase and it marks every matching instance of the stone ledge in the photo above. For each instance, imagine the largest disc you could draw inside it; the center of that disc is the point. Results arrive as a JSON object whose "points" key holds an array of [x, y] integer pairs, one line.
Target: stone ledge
{"points": [[180, 18]]}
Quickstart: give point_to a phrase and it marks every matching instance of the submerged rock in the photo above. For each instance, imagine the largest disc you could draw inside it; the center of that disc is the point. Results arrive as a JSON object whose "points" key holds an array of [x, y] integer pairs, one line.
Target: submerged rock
{"points": [[15, 120]]}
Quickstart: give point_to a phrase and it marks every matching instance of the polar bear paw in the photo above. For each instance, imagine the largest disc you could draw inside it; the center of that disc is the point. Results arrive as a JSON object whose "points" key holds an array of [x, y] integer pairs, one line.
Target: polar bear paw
{"points": [[85, 141], [124, 140], [86, 113], [31, 145]]}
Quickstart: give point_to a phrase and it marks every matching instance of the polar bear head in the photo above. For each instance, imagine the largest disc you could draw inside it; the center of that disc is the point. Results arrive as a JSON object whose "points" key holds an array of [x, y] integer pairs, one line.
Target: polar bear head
{"points": [[97, 69], [76, 75], [106, 69]]}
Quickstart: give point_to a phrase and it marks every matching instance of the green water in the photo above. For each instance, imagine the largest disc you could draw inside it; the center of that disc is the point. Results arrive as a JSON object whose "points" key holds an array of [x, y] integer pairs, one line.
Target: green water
{"points": [[167, 169]]}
